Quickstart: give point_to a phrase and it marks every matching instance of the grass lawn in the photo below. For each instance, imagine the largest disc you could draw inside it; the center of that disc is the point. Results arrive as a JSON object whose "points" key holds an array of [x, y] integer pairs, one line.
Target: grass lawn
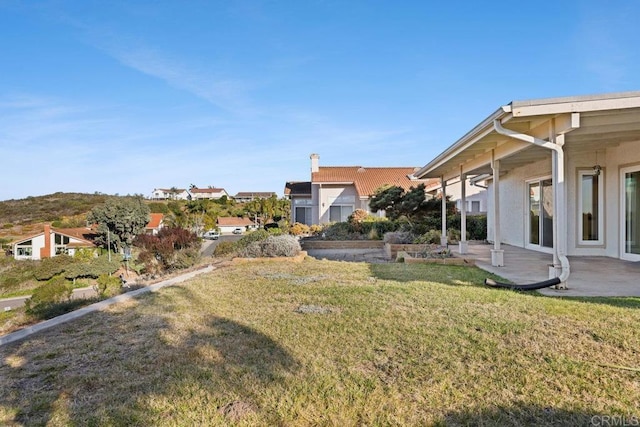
{"points": [[331, 343]]}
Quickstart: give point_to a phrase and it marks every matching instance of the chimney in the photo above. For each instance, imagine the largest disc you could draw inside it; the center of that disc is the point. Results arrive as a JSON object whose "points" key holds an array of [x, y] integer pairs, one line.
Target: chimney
{"points": [[45, 252], [315, 160]]}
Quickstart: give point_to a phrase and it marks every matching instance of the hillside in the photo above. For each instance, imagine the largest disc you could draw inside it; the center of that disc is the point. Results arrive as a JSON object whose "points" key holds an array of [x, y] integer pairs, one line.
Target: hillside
{"points": [[22, 217], [48, 208]]}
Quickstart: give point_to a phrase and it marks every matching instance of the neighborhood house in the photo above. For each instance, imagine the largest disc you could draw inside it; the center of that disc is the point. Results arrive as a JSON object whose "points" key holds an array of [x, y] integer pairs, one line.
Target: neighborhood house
{"points": [[334, 192], [52, 242]]}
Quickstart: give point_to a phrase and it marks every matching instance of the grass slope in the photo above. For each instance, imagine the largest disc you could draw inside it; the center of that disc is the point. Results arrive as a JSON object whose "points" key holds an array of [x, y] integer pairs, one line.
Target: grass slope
{"points": [[331, 343]]}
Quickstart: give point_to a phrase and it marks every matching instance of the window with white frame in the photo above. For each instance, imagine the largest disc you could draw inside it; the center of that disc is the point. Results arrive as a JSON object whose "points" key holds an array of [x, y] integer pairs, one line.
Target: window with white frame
{"points": [[590, 207], [25, 249], [303, 215], [340, 213], [61, 243]]}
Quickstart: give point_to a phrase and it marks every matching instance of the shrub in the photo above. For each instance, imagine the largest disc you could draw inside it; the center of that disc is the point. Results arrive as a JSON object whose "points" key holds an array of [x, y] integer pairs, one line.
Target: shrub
{"points": [[50, 267], [298, 229], [398, 237], [272, 246], [225, 248], [45, 297], [254, 236], [431, 236], [315, 229], [356, 219], [108, 286], [453, 235]]}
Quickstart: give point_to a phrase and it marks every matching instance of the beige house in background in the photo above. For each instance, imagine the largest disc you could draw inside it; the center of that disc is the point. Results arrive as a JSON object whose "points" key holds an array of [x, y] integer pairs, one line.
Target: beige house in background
{"points": [[336, 191], [563, 176]]}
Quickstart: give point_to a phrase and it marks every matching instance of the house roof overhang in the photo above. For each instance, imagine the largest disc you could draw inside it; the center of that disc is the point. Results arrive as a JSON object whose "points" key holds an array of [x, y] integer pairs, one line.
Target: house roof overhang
{"points": [[589, 123]]}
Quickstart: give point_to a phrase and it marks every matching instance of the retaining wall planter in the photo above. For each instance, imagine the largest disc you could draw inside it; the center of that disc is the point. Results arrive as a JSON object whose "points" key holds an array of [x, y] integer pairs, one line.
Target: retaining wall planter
{"points": [[341, 244], [298, 258], [409, 259]]}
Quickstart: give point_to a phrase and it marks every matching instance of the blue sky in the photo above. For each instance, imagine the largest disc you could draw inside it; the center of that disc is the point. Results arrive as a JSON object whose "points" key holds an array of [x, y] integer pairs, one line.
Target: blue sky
{"points": [[126, 96]]}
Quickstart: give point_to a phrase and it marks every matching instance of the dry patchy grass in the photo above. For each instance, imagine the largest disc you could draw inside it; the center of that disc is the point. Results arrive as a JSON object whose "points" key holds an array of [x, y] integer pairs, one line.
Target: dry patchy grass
{"points": [[389, 344]]}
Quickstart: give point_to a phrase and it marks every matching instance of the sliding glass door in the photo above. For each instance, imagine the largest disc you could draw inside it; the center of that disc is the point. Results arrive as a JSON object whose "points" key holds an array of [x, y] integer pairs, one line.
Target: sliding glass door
{"points": [[540, 227], [630, 215]]}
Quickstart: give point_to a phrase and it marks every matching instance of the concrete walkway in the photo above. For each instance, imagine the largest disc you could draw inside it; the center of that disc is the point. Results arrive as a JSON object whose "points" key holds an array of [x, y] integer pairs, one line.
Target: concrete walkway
{"points": [[99, 306], [590, 276]]}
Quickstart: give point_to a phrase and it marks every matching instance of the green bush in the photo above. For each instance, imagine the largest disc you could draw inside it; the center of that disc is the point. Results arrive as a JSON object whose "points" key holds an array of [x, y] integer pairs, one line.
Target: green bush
{"points": [[399, 237], [431, 236], [272, 246], [50, 267], [476, 225], [44, 299], [254, 236], [225, 249], [108, 286]]}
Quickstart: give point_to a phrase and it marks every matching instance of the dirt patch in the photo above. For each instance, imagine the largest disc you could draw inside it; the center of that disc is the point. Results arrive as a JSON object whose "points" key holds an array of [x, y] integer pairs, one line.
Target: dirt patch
{"points": [[237, 410], [313, 309]]}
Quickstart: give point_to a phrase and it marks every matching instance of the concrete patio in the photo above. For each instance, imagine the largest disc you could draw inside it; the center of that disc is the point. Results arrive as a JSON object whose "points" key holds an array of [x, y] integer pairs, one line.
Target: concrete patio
{"points": [[590, 276]]}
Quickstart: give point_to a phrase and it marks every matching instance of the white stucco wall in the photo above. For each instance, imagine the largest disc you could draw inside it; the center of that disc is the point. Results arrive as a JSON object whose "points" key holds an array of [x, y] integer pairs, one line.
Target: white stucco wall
{"points": [[514, 200], [328, 193]]}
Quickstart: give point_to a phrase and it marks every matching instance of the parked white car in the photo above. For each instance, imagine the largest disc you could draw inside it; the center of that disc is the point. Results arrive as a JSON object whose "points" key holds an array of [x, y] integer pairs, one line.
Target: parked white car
{"points": [[211, 235], [237, 231]]}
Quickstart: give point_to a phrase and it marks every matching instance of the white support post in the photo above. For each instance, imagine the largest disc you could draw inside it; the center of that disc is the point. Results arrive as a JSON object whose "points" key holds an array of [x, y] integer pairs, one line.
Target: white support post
{"points": [[443, 235], [559, 208], [497, 254], [463, 244]]}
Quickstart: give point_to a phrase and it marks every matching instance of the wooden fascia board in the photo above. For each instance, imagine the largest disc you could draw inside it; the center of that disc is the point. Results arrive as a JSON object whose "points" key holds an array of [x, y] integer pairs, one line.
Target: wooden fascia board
{"points": [[576, 106]]}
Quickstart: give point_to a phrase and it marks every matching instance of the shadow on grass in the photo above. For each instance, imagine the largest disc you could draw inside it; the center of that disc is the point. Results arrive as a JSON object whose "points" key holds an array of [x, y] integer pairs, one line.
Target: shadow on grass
{"points": [[521, 414], [445, 274], [126, 368]]}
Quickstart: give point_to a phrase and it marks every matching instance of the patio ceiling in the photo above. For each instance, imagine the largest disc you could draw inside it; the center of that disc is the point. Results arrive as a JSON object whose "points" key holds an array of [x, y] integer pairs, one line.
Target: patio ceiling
{"points": [[605, 120]]}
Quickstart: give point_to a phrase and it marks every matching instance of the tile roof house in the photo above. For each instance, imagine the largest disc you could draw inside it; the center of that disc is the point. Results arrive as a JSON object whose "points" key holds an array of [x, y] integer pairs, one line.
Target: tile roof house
{"points": [[210, 193], [563, 176], [53, 241], [336, 191], [229, 224], [299, 193], [156, 222], [170, 194], [248, 196]]}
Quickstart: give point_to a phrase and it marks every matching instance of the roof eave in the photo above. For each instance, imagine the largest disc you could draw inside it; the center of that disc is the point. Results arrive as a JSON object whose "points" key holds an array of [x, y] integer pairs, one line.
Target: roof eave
{"points": [[463, 143]]}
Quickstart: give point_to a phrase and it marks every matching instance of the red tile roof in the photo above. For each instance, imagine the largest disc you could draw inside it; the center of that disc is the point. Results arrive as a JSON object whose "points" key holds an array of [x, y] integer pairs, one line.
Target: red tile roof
{"points": [[155, 219], [233, 221], [367, 180]]}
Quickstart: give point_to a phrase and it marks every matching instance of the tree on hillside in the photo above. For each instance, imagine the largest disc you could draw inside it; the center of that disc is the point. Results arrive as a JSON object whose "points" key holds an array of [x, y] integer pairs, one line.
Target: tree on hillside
{"points": [[119, 221]]}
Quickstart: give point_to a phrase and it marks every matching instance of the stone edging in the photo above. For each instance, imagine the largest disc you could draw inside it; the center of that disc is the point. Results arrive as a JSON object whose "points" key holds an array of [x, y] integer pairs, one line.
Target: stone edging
{"points": [[98, 306]]}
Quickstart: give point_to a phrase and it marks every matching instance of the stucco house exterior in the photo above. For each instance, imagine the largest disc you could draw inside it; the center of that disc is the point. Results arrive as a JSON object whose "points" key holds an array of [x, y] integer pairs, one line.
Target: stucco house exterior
{"points": [[299, 195], [228, 224], [170, 194], [563, 176], [155, 224], [53, 241], [248, 196], [336, 191], [210, 193]]}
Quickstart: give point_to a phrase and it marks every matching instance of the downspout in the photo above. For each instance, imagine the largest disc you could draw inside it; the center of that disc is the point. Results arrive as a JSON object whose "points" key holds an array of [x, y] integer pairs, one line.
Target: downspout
{"points": [[559, 249]]}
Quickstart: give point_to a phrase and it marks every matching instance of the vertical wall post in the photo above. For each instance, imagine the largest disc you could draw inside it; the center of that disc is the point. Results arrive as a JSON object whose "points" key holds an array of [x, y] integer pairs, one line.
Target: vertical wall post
{"points": [[497, 254], [463, 245], [443, 236]]}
